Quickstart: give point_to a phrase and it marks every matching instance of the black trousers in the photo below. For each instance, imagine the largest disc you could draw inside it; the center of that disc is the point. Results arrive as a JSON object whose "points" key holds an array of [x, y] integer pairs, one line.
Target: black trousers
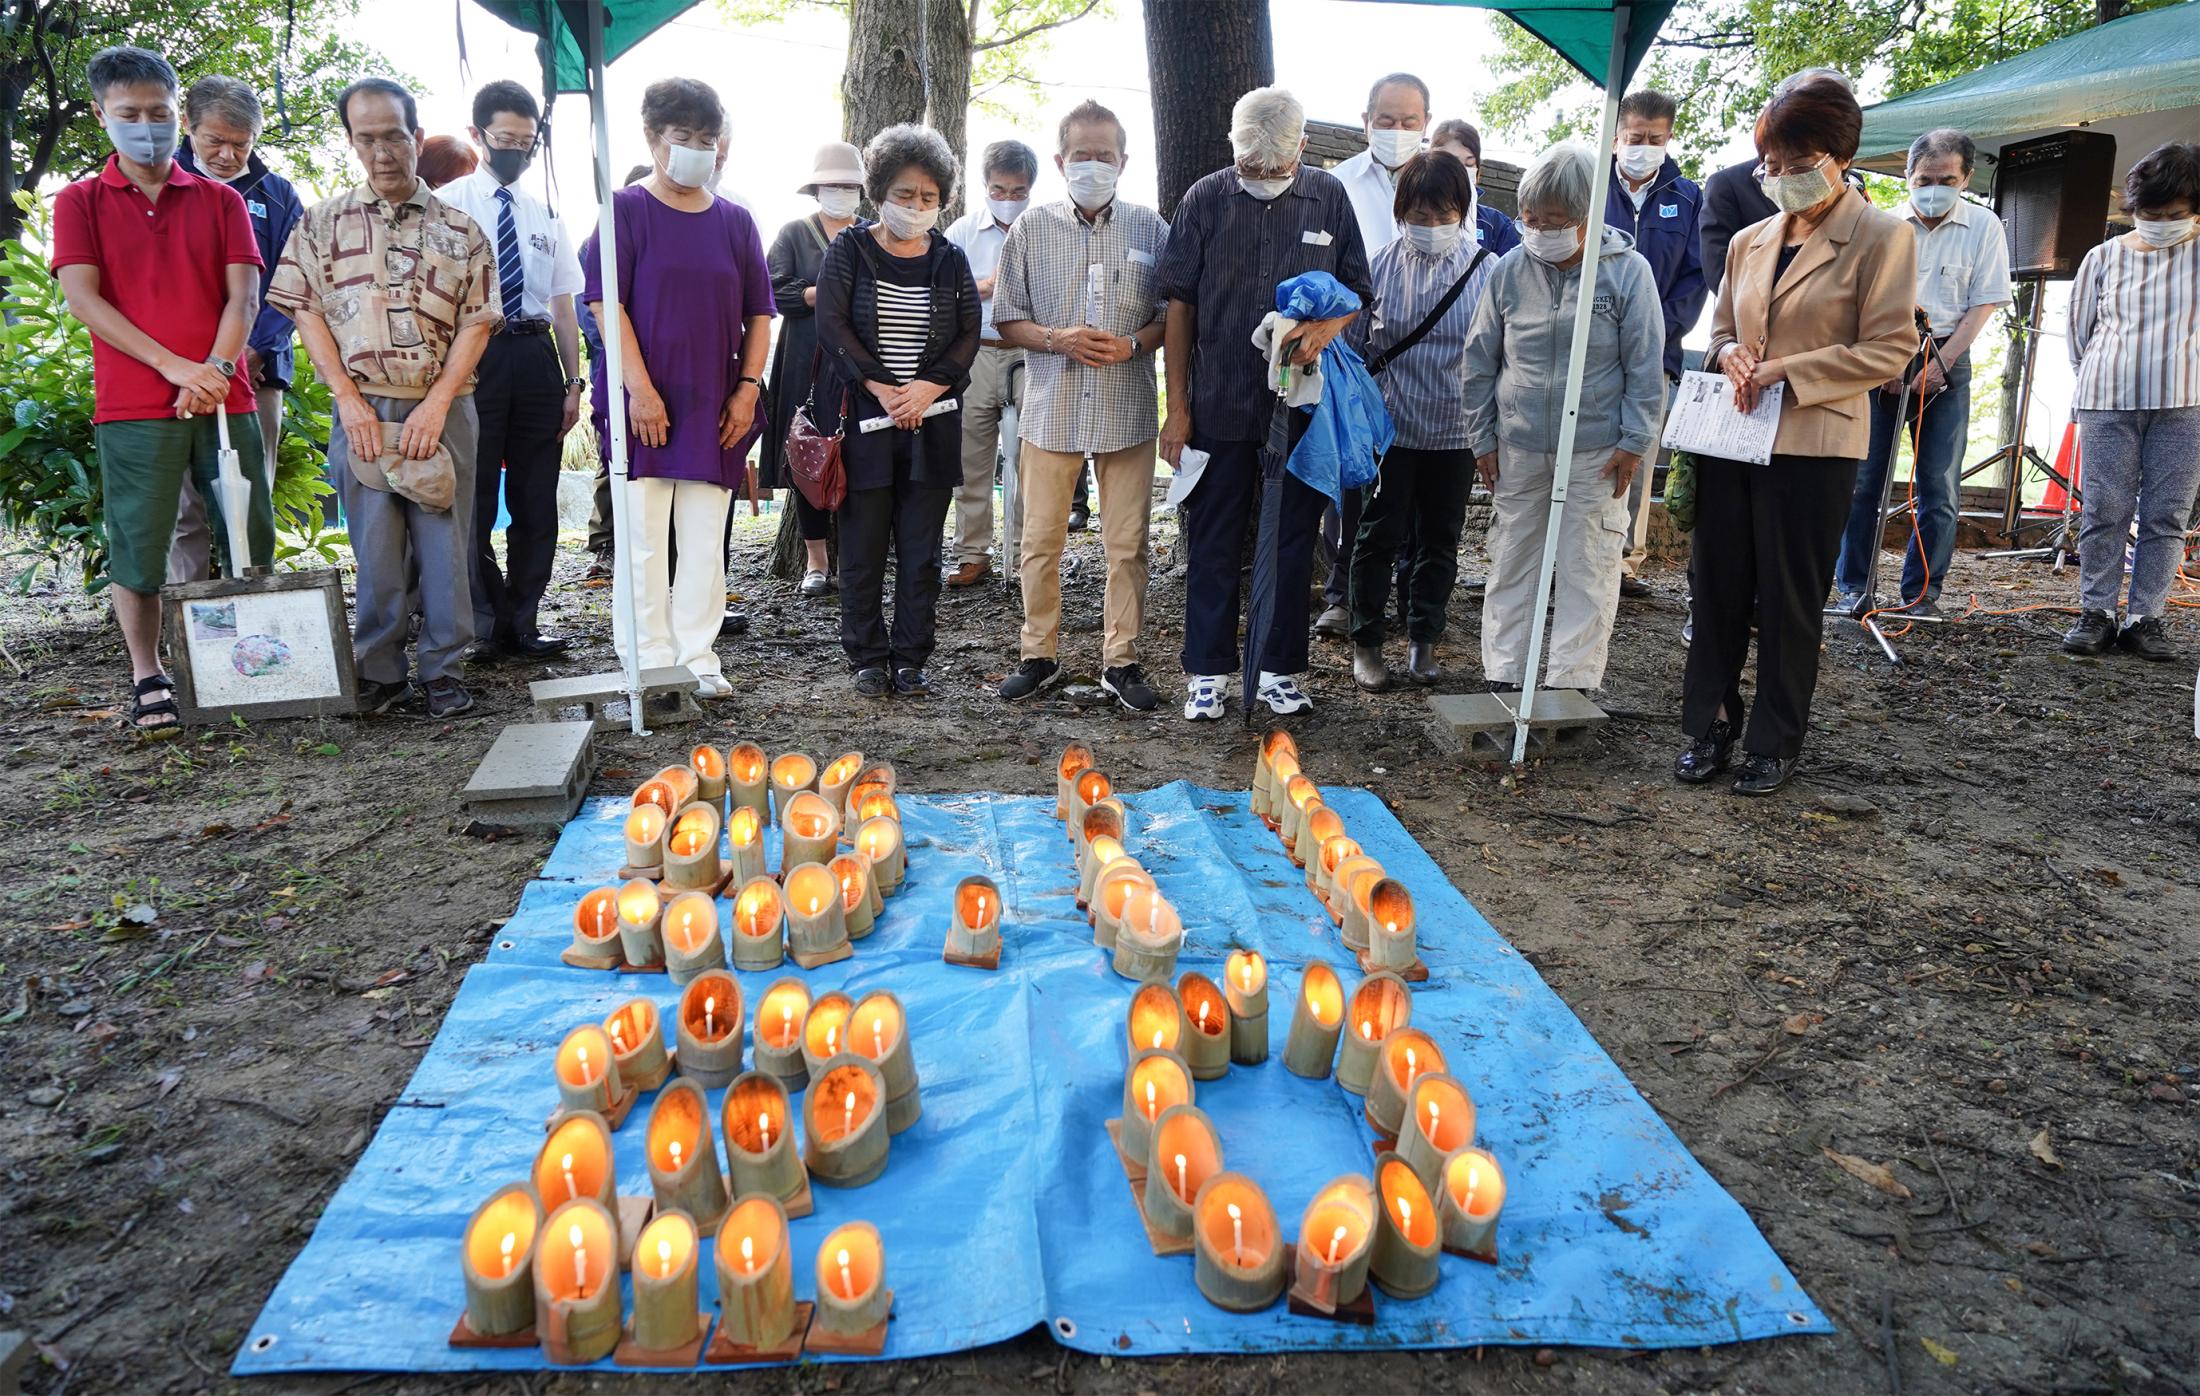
{"points": [[909, 517], [1766, 540], [812, 522], [521, 400], [1218, 517], [1419, 508]]}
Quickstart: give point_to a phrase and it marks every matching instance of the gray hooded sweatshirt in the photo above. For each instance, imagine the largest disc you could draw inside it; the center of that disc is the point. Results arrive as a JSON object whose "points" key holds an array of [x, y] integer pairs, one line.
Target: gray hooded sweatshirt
{"points": [[1523, 332]]}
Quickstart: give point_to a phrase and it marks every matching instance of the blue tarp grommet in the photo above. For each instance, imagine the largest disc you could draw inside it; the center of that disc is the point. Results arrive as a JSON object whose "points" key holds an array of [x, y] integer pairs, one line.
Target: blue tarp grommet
{"points": [[1065, 1327], [263, 1342]]}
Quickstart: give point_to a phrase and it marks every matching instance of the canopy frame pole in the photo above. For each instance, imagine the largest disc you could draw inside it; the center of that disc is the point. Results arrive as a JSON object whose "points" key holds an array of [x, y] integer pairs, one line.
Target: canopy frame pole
{"points": [[612, 322], [1577, 361]]}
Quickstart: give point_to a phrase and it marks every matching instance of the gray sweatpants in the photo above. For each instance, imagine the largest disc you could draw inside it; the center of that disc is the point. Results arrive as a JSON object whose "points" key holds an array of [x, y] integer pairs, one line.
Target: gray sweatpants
{"points": [[383, 528], [2143, 462]]}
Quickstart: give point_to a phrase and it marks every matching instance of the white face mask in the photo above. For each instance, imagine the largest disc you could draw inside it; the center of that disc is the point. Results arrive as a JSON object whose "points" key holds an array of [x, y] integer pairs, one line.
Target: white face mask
{"points": [[1006, 210], [2163, 232], [1641, 161], [837, 201], [688, 167], [1551, 244], [1800, 192], [907, 224], [1091, 183], [1437, 241], [1933, 200], [1264, 189], [1393, 148]]}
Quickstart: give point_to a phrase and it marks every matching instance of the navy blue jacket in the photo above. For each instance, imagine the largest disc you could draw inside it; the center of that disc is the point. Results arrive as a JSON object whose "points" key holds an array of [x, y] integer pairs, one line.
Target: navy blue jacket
{"points": [[1494, 231], [1665, 234], [275, 210]]}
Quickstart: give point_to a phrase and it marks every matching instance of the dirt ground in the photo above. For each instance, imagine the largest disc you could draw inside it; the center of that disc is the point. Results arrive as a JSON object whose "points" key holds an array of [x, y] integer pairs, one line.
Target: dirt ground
{"points": [[1960, 948]]}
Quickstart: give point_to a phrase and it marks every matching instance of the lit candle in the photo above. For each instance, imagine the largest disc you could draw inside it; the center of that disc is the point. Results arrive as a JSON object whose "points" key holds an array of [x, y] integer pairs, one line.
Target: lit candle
{"points": [[848, 1114], [511, 1239], [1151, 1109], [1317, 1015], [847, 1285], [1249, 1275], [1334, 1273], [683, 1164], [1472, 1195], [1380, 1004], [1237, 1235], [748, 1254], [758, 1295], [1183, 1189], [757, 915], [575, 1239], [572, 1190], [710, 1010], [1336, 1239], [497, 1261], [675, 1150], [585, 1074], [778, 1037], [618, 1047], [759, 1152], [764, 1130], [852, 1297], [854, 1153], [1404, 1258]]}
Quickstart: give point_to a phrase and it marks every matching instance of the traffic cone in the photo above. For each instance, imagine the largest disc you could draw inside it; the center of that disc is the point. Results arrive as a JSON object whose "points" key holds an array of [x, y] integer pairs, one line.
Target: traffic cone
{"points": [[2067, 467]]}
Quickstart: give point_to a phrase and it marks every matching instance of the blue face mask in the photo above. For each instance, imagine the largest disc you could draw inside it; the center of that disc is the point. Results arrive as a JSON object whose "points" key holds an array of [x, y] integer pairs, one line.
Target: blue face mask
{"points": [[144, 142], [1933, 200]]}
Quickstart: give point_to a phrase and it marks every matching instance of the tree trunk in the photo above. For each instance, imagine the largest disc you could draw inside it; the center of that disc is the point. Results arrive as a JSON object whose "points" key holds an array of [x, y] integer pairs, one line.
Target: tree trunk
{"points": [[2106, 10], [946, 58], [2020, 309], [883, 82], [1201, 56]]}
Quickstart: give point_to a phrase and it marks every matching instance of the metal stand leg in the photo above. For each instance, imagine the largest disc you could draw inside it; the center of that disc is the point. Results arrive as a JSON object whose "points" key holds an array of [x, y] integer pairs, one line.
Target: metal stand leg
{"points": [[1867, 618]]}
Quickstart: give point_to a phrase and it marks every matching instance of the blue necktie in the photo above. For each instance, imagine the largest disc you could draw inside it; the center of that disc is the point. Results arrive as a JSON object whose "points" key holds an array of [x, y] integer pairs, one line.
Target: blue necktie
{"points": [[509, 280]]}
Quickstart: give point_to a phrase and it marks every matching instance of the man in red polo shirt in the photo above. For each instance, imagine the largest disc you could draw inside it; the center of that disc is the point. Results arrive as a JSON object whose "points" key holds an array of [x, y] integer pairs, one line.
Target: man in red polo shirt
{"points": [[161, 266]]}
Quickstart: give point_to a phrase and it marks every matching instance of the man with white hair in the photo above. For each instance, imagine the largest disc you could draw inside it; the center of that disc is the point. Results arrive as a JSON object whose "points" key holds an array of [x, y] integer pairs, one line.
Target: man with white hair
{"points": [[1238, 233]]}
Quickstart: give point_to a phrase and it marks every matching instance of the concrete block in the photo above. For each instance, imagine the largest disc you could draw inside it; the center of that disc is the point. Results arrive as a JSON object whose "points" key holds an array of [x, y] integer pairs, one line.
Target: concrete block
{"points": [[1481, 724], [668, 695], [535, 773]]}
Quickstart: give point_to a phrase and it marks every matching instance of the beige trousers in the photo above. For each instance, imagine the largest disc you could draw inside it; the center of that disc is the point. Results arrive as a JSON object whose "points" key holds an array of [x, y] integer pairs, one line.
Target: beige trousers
{"points": [[1584, 593], [1126, 509], [992, 388]]}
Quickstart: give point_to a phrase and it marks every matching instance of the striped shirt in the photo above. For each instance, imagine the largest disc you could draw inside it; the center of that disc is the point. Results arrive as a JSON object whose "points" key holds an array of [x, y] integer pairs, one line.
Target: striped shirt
{"points": [[1422, 387], [2135, 327], [904, 318], [1053, 262]]}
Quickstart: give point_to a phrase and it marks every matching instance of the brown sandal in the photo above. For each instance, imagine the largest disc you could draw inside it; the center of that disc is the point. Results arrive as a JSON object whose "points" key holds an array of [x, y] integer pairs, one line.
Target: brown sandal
{"points": [[163, 708]]}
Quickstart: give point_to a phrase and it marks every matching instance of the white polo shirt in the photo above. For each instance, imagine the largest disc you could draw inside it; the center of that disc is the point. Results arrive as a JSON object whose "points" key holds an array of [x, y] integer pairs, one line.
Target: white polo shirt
{"points": [[1962, 264], [549, 267], [980, 235], [1373, 190]]}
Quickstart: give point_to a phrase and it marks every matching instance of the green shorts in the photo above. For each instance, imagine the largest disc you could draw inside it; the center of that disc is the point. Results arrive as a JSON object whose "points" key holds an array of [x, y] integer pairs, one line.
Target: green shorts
{"points": [[142, 467]]}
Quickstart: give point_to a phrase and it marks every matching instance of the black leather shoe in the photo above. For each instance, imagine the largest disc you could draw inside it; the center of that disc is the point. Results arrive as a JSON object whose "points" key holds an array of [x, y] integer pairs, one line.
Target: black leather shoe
{"points": [[910, 682], [540, 647], [2093, 633], [1706, 756], [2147, 639], [871, 683], [1633, 588], [1761, 775], [733, 623]]}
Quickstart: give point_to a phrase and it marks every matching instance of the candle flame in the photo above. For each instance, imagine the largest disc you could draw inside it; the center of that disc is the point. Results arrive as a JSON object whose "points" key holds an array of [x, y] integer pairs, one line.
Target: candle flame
{"points": [[1474, 1175], [1203, 1015], [506, 1246], [1412, 1063], [764, 1128], [1391, 926], [1405, 1217], [1157, 1039], [1245, 975], [1336, 1239], [1367, 1029], [748, 1253], [673, 1148], [1235, 1214], [1149, 1100], [664, 1259], [574, 1235]]}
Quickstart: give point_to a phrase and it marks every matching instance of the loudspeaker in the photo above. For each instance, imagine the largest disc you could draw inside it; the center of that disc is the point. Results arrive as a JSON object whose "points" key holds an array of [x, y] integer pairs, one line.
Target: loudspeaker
{"points": [[2052, 195]]}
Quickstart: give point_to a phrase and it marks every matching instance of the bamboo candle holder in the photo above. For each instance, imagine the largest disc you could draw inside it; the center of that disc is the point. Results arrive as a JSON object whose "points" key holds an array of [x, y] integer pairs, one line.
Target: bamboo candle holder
{"points": [[588, 1073], [1076, 759], [759, 913], [1403, 1263], [577, 1302], [1237, 1255], [791, 774], [817, 929], [1245, 986], [1185, 1153], [1359, 886], [1281, 768], [1156, 1022], [575, 1163], [1391, 943], [1157, 1082], [1404, 1055], [1149, 935], [1336, 1237], [867, 802], [693, 944], [1276, 742], [781, 1016], [683, 1159], [672, 789], [755, 1274], [1380, 1006], [744, 847], [707, 1029], [825, 1033], [645, 841], [1319, 824], [838, 777], [1207, 1015], [1473, 1194], [875, 782], [667, 1314], [879, 839], [497, 1258], [638, 1045], [758, 1123], [1089, 789], [709, 765], [809, 831], [1111, 890], [596, 931], [641, 911], [748, 777], [1298, 793], [1338, 897], [1317, 1015], [844, 1122], [1107, 816], [1104, 849], [1439, 1122], [1321, 873], [974, 928], [860, 902], [852, 1297], [879, 1029]]}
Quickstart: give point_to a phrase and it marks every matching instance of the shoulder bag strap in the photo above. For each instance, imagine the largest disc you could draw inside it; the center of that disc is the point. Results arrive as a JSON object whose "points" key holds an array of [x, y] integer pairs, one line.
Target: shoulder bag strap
{"points": [[1420, 332]]}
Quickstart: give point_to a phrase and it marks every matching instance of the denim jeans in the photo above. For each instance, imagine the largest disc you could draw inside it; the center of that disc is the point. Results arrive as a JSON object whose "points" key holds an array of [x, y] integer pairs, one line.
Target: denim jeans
{"points": [[1939, 448]]}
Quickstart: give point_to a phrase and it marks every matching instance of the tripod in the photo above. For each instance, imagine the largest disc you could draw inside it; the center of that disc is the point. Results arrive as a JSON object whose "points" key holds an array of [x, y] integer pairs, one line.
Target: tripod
{"points": [[2019, 454], [1867, 612]]}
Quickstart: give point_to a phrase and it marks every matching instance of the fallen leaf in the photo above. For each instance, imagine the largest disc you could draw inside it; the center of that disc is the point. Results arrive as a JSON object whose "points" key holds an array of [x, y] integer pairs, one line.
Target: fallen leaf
{"points": [[395, 976], [97, 715], [140, 914], [1876, 1174], [1800, 1023], [169, 1080], [254, 972], [1945, 1356], [2044, 1151]]}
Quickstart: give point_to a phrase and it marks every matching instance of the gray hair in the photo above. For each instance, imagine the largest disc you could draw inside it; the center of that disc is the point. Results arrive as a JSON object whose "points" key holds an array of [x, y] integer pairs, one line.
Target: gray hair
{"points": [[1808, 75], [1946, 140], [1561, 180], [1266, 127], [896, 149], [230, 99], [1011, 157]]}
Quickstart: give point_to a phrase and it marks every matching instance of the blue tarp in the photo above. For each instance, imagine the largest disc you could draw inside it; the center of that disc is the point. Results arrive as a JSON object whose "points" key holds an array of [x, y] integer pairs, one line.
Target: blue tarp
{"points": [[1004, 1206]]}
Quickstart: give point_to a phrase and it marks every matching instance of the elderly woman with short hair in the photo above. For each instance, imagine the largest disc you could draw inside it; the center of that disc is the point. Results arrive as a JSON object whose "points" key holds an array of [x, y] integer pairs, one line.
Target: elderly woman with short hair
{"points": [[897, 317], [1516, 368]]}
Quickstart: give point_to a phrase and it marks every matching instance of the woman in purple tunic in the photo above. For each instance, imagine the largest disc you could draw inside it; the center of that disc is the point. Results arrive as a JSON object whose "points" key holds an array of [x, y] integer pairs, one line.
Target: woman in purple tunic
{"points": [[696, 301]]}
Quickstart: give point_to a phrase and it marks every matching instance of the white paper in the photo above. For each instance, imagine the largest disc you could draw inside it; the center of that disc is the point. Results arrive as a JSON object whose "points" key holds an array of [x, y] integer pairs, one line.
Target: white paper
{"points": [[945, 404], [1704, 422], [1191, 463]]}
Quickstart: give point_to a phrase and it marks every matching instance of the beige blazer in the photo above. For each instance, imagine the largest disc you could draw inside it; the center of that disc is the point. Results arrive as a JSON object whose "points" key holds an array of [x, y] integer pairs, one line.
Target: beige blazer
{"points": [[1840, 322]]}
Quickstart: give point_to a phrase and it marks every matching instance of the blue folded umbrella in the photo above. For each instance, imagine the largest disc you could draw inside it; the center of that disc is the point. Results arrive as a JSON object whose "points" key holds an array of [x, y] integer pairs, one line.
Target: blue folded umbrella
{"points": [[1350, 427]]}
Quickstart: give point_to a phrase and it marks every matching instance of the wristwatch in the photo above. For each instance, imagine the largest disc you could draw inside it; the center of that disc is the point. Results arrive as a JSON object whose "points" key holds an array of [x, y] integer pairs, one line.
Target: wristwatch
{"points": [[572, 384], [228, 367]]}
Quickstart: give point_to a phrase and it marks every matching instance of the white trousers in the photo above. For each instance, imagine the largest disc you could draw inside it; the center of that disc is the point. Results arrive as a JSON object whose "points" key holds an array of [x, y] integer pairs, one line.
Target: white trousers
{"points": [[1592, 535], [678, 614]]}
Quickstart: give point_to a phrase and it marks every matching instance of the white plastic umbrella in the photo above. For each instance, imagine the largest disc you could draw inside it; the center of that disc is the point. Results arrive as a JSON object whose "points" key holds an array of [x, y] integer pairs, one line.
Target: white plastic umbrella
{"points": [[234, 494]]}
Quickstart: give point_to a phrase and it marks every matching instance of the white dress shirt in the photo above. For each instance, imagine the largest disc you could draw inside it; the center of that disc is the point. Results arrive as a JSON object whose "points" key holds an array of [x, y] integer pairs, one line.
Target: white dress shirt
{"points": [[549, 265], [980, 235], [1373, 190], [1962, 263]]}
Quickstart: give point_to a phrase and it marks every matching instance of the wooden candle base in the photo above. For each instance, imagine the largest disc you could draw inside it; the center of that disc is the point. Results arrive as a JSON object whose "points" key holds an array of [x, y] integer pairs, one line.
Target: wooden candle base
{"points": [[1163, 1242], [869, 1343], [1415, 973], [710, 887], [612, 1118], [647, 1078], [991, 960], [632, 1354], [464, 1336], [572, 956], [1360, 1311], [653, 873], [724, 1351], [629, 967], [1133, 1168], [811, 959], [633, 1213]]}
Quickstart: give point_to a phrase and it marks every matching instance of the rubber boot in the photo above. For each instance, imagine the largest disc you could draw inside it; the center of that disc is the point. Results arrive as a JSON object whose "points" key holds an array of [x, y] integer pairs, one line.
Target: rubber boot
{"points": [[1367, 668], [1421, 662]]}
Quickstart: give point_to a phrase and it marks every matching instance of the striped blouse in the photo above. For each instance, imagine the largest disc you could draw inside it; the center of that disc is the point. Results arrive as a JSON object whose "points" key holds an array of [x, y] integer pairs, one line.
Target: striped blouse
{"points": [[2135, 327], [904, 318], [1423, 387]]}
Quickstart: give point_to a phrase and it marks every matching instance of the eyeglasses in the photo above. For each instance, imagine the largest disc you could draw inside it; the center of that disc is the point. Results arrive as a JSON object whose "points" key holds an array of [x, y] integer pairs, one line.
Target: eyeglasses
{"points": [[1771, 170], [509, 142], [394, 144]]}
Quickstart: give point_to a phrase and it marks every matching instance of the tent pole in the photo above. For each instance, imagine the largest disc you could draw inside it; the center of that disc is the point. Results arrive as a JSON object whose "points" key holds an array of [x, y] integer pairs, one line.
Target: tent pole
{"points": [[1577, 361], [612, 324]]}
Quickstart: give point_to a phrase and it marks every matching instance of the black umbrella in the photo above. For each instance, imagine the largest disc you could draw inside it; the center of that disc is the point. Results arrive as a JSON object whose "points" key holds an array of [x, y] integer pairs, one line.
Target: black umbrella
{"points": [[1261, 607]]}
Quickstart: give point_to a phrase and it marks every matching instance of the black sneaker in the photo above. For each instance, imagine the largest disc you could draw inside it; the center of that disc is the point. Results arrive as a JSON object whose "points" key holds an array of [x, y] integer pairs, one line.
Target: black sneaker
{"points": [[1030, 676], [1130, 688], [2146, 638], [1706, 756], [1761, 775], [445, 698], [376, 699], [1633, 588], [910, 682], [871, 683], [2094, 632]]}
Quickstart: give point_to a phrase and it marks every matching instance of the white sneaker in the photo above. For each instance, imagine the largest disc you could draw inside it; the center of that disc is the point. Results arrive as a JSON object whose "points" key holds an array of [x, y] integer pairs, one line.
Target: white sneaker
{"points": [[1282, 694], [1203, 698], [713, 686]]}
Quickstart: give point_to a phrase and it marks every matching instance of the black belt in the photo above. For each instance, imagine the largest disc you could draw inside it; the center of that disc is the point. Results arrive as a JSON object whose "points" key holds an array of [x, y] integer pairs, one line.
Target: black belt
{"points": [[519, 326]]}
